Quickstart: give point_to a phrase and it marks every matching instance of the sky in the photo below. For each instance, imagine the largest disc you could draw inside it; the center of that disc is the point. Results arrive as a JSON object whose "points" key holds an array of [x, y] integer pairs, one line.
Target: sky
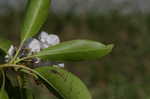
{"points": [[83, 6]]}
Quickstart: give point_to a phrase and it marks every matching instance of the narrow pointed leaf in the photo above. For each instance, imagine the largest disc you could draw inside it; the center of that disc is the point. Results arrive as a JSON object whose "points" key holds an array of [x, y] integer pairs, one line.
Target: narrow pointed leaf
{"points": [[37, 12], [3, 94], [4, 44], [64, 84], [75, 50]]}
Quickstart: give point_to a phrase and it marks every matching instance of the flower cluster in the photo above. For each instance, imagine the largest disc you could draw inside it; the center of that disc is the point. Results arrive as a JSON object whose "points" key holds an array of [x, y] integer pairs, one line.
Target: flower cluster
{"points": [[44, 41], [36, 45]]}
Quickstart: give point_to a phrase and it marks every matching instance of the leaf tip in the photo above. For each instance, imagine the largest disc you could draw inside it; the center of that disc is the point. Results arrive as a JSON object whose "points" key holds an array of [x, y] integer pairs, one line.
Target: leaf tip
{"points": [[110, 47]]}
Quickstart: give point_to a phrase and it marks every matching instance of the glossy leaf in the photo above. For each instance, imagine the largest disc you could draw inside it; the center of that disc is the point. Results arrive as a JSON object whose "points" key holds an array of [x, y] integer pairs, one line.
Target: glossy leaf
{"points": [[37, 12], [4, 44], [65, 84], [34, 90], [3, 94], [75, 50]]}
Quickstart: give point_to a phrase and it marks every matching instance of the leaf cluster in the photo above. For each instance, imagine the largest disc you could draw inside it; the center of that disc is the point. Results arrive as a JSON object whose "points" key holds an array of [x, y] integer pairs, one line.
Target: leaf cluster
{"points": [[16, 73]]}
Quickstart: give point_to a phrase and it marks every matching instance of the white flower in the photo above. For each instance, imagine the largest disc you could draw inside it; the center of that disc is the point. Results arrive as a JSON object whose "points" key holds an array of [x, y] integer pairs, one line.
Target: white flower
{"points": [[10, 53], [43, 37], [53, 40], [48, 40], [34, 45], [45, 41], [62, 65], [43, 45]]}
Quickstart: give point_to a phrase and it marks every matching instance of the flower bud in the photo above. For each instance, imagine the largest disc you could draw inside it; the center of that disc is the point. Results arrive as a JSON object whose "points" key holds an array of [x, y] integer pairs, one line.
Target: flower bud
{"points": [[10, 53], [48, 40], [34, 45]]}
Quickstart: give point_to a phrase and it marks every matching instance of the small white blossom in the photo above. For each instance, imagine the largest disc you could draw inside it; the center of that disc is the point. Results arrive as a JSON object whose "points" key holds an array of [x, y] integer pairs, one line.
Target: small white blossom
{"points": [[34, 45], [53, 40], [10, 53], [45, 41], [43, 45], [48, 40], [11, 50], [43, 37], [62, 65]]}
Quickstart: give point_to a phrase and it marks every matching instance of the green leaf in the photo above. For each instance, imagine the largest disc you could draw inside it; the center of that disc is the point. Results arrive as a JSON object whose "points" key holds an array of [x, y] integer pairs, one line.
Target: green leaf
{"points": [[29, 94], [28, 87], [64, 83], [34, 90], [4, 44], [75, 50], [3, 94], [37, 12]]}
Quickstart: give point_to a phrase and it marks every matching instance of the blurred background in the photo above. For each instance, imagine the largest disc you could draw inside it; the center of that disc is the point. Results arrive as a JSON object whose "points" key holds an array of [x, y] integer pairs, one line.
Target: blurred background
{"points": [[123, 74]]}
